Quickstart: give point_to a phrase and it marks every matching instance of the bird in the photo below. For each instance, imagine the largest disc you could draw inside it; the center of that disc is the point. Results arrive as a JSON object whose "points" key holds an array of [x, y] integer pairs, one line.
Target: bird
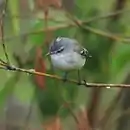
{"points": [[68, 55]]}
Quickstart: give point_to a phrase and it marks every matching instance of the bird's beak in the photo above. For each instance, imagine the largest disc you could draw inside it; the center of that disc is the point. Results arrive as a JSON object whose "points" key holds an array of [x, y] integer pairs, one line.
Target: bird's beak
{"points": [[50, 53], [47, 54]]}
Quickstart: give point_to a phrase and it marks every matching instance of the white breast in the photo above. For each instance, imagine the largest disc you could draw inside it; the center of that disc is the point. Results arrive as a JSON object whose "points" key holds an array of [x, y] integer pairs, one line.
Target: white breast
{"points": [[68, 61]]}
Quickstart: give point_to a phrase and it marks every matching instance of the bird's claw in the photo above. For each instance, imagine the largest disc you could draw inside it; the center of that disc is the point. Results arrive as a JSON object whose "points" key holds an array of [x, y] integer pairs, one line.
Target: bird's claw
{"points": [[64, 80], [82, 82], [65, 77], [79, 83]]}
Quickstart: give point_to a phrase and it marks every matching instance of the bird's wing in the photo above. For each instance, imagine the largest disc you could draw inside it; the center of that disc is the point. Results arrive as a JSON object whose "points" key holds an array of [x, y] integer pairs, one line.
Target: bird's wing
{"points": [[81, 50]]}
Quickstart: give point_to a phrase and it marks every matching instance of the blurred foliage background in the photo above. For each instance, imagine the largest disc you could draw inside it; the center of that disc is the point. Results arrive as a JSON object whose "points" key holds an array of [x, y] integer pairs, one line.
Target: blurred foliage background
{"points": [[42, 103]]}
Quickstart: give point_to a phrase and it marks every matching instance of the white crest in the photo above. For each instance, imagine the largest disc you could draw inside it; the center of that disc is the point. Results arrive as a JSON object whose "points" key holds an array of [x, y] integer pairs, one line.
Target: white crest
{"points": [[58, 39]]}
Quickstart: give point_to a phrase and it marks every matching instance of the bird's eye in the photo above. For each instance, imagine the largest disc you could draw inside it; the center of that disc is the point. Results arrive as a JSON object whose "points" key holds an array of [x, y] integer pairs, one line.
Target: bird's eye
{"points": [[60, 50]]}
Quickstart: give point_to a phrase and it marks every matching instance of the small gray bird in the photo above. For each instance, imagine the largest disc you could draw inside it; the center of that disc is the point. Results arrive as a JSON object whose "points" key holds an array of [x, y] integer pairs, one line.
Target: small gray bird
{"points": [[67, 55]]}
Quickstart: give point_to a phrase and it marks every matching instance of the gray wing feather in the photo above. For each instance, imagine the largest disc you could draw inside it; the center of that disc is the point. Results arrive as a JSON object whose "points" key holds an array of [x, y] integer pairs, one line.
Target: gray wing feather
{"points": [[81, 50]]}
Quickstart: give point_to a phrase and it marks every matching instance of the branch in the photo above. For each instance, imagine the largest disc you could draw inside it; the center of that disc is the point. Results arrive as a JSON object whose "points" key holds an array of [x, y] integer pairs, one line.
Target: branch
{"points": [[106, 34], [81, 23], [2, 30], [97, 31], [93, 19], [93, 30], [109, 111], [118, 117], [84, 83]]}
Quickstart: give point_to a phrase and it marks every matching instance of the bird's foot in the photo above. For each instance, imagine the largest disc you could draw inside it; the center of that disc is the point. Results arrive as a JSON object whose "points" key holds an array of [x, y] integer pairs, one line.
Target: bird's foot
{"points": [[65, 77], [64, 80], [82, 82]]}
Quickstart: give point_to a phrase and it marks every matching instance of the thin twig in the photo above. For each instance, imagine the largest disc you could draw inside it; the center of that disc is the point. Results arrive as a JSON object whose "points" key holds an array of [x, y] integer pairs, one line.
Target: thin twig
{"points": [[124, 113], [93, 106], [84, 83], [115, 119], [100, 17], [2, 30], [97, 31], [108, 112], [92, 19], [93, 30], [2, 61], [105, 34], [73, 115]]}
